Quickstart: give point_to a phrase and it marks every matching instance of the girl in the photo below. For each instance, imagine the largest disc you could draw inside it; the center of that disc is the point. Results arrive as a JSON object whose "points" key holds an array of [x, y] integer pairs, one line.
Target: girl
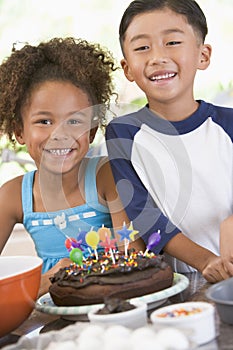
{"points": [[53, 98]]}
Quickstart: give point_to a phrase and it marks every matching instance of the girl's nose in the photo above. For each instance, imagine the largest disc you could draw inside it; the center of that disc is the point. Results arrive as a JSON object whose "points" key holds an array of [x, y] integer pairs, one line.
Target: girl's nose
{"points": [[59, 133]]}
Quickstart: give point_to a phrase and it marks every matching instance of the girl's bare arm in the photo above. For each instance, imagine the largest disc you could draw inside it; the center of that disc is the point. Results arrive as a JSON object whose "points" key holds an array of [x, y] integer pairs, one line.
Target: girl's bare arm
{"points": [[11, 208]]}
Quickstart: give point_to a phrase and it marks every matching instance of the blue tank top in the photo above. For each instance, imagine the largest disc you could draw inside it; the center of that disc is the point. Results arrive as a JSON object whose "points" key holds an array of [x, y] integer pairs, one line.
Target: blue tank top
{"points": [[49, 230]]}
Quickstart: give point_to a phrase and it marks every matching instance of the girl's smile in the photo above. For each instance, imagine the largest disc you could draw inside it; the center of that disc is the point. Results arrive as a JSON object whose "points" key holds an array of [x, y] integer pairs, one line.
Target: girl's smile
{"points": [[57, 123]]}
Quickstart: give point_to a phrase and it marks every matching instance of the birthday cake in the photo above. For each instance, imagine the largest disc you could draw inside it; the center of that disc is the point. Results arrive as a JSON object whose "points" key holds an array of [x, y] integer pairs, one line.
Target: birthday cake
{"points": [[124, 277], [109, 273]]}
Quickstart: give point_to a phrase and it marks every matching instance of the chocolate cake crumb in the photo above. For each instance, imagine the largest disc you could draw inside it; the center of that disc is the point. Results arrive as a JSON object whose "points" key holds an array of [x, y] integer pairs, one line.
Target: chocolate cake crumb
{"points": [[115, 305]]}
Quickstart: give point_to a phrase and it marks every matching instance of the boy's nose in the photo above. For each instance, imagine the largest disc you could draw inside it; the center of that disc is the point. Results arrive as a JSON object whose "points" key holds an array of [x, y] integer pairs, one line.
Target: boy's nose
{"points": [[158, 56]]}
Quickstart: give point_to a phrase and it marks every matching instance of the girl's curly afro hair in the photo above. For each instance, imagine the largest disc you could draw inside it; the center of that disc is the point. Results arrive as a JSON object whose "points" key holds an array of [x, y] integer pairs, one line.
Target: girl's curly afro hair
{"points": [[87, 66]]}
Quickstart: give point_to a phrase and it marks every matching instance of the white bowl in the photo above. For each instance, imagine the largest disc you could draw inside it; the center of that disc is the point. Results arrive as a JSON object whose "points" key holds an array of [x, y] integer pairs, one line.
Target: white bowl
{"points": [[183, 316], [133, 319]]}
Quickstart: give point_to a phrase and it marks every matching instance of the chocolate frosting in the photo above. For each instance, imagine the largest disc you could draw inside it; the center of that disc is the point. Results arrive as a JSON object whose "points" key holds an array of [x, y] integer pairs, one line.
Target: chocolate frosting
{"points": [[105, 271]]}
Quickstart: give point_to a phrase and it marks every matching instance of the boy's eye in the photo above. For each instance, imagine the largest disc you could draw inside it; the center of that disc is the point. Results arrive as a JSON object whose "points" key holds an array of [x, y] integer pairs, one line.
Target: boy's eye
{"points": [[172, 43], [142, 48]]}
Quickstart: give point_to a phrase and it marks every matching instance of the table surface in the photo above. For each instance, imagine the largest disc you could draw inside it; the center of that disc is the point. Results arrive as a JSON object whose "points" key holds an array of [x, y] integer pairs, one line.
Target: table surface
{"points": [[194, 292]]}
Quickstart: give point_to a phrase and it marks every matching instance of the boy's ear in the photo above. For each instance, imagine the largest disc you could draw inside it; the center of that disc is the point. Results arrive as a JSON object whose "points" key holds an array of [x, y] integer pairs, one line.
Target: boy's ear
{"points": [[205, 56], [126, 70], [93, 133]]}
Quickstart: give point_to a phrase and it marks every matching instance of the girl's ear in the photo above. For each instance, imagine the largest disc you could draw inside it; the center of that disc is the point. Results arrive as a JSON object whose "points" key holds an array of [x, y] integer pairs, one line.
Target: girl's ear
{"points": [[205, 57], [19, 136], [126, 70]]}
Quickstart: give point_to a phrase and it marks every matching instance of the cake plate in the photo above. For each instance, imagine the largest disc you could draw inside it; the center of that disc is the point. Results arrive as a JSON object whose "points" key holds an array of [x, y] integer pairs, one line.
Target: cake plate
{"points": [[46, 305]]}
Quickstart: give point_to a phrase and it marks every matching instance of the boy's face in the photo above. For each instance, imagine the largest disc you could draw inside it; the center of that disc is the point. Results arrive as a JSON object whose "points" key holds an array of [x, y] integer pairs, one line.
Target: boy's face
{"points": [[162, 55], [56, 126]]}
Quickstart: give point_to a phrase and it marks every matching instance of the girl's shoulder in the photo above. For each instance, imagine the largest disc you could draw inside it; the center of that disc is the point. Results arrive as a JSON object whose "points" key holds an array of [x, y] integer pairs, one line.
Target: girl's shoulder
{"points": [[103, 166], [12, 186], [104, 177], [98, 163], [11, 196]]}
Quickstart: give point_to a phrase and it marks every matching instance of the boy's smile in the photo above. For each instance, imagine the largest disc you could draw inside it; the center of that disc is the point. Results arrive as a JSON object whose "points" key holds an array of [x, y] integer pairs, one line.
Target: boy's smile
{"points": [[162, 55], [162, 76]]}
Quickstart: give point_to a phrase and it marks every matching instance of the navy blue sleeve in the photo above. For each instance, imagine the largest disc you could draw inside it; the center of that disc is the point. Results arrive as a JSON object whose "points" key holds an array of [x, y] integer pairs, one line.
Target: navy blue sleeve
{"points": [[139, 205]]}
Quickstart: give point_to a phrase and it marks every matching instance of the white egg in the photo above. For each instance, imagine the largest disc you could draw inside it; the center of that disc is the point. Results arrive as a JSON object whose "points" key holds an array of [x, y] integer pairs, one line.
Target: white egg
{"points": [[88, 343], [61, 345], [140, 334], [148, 343], [173, 337], [154, 344], [115, 345], [139, 337], [117, 331], [116, 334], [91, 331]]}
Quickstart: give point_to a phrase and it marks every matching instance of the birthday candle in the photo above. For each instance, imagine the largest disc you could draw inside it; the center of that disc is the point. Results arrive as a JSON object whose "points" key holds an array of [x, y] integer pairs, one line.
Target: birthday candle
{"points": [[134, 232], [81, 236], [92, 239], [109, 245], [76, 256], [104, 232], [153, 240], [124, 233], [74, 247]]}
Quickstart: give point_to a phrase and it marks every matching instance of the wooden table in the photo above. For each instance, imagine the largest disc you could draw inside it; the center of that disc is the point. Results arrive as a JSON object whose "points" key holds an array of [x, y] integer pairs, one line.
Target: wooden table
{"points": [[194, 292]]}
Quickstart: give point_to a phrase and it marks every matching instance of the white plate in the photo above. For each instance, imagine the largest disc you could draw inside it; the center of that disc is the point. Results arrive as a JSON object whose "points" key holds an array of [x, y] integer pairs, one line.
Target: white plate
{"points": [[46, 305], [180, 282]]}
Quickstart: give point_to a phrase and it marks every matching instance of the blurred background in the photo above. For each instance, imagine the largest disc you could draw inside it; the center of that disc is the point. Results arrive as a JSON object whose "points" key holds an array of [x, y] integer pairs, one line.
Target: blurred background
{"points": [[33, 21]]}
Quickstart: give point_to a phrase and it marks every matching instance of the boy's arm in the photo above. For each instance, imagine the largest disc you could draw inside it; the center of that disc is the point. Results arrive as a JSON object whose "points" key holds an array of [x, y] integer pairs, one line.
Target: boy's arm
{"points": [[226, 244], [108, 196], [140, 207], [210, 265], [146, 216]]}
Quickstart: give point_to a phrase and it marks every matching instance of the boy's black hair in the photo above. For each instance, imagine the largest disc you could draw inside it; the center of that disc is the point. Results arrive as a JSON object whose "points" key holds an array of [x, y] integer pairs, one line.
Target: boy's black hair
{"points": [[188, 8]]}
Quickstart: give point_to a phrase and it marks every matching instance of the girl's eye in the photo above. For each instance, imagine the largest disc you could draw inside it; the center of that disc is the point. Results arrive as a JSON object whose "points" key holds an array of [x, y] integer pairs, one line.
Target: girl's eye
{"points": [[45, 122], [73, 122]]}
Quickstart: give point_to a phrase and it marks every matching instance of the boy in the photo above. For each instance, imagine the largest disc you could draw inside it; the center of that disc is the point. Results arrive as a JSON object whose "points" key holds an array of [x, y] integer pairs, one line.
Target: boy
{"points": [[172, 160]]}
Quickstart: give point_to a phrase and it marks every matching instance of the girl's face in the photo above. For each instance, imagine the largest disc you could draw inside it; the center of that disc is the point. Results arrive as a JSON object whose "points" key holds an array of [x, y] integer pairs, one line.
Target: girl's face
{"points": [[162, 55], [56, 126]]}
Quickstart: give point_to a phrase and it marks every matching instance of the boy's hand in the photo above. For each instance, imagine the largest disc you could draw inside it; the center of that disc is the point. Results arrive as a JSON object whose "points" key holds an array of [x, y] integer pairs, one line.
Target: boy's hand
{"points": [[214, 271], [226, 244], [228, 264], [209, 264]]}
